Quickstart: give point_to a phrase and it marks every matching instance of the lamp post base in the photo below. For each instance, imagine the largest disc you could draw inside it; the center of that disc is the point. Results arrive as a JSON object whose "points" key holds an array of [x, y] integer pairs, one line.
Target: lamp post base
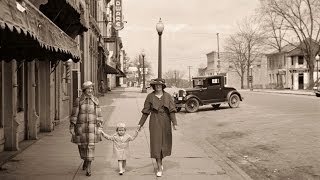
{"points": [[144, 90]]}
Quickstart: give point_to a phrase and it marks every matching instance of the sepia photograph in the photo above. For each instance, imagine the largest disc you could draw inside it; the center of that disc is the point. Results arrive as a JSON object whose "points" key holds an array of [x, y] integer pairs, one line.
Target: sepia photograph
{"points": [[159, 89]]}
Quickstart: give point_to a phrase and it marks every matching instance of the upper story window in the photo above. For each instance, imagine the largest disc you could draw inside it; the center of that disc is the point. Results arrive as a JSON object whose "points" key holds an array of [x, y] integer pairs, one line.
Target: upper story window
{"points": [[300, 60], [292, 63], [93, 9]]}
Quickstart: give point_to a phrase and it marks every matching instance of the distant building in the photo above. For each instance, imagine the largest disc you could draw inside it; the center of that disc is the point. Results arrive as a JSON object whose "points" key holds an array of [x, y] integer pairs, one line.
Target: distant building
{"points": [[223, 66], [288, 68]]}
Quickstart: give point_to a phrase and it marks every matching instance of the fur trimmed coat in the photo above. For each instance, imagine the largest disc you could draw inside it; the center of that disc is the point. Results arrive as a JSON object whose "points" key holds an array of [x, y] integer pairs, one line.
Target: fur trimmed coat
{"points": [[162, 114], [86, 119]]}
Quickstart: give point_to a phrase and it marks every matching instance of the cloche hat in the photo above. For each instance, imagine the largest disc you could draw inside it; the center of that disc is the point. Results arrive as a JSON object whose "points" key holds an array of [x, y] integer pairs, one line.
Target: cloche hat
{"points": [[87, 84], [158, 81]]}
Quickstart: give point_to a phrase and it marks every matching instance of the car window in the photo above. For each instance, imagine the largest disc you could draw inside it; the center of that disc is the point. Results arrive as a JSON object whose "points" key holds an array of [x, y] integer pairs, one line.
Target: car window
{"points": [[197, 83], [214, 82]]}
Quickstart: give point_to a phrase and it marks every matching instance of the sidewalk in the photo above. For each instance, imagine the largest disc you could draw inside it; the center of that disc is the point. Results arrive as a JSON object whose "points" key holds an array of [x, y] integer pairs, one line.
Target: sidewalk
{"points": [[55, 157], [284, 91]]}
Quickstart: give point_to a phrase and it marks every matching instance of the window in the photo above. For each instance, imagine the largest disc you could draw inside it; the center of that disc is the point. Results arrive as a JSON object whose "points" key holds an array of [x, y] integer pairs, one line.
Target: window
{"points": [[20, 70], [292, 63], [1, 120], [300, 60], [214, 82]]}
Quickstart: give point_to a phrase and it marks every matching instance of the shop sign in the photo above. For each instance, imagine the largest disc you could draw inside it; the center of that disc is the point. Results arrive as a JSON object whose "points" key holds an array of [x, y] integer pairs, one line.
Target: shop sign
{"points": [[118, 25]]}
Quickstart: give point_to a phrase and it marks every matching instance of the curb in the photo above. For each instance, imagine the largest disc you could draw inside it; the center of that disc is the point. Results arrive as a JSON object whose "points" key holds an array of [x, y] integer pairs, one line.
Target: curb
{"points": [[292, 93]]}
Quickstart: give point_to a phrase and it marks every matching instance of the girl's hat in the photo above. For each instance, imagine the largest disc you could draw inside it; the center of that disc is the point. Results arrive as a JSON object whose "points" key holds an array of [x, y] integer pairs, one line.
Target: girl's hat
{"points": [[87, 84], [158, 81], [121, 125]]}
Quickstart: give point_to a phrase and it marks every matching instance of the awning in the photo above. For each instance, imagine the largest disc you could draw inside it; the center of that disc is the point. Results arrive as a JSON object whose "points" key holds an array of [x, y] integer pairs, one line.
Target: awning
{"points": [[68, 15], [29, 34], [120, 73], [110, 70]]}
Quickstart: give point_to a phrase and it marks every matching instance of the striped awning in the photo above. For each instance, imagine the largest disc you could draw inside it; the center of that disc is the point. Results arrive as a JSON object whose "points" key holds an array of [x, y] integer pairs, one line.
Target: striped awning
{"points": [[24, 28]]}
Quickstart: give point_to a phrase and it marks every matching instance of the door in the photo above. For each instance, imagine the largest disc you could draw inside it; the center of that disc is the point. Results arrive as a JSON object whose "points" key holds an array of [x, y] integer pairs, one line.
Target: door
{"points": [[300, 80], [75, 90], [214, 90]]}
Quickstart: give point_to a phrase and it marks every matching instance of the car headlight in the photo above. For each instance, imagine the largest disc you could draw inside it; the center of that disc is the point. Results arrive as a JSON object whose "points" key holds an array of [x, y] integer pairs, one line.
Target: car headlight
{"points": [[182, 93]]}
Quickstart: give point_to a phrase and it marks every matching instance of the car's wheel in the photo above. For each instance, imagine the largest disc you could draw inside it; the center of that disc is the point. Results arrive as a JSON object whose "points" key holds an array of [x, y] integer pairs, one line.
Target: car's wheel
{"points": [[234, 101], [192, 105], [317, 94], [215, 106], [178, 109]]}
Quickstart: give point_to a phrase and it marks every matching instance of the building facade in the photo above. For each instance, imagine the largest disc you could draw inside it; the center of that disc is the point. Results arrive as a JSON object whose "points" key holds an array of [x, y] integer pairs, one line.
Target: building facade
{"points": [[288, 69], [221, 65], [48, 49]]}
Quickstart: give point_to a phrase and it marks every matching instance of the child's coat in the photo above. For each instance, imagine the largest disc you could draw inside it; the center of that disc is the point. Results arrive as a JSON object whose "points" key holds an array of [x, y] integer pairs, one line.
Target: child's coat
{"points": [[120, 144]]}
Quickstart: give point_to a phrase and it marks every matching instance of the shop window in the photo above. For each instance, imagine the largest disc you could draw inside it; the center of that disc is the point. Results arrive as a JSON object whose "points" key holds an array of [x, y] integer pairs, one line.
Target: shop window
{"points": [[300, 60], [1, 110], [20, 70]]}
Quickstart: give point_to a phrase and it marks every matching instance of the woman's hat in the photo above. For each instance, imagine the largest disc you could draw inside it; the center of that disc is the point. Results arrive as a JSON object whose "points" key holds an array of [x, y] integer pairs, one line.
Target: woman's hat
{"points": [[158, 81], [87, 84]]}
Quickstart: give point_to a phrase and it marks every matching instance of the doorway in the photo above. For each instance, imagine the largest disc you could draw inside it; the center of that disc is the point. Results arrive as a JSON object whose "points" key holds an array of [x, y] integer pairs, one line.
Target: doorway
{"points": [[300, 81]]}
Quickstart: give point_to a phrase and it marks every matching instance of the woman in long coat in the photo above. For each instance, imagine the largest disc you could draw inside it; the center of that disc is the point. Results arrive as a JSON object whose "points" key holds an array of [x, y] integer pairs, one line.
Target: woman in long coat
{"points": [[162, 108], [84, 123]]}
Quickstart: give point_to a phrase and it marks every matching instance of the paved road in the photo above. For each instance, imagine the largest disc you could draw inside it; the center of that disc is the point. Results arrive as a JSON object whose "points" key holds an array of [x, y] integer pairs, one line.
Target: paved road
{"points": [[271, 136]]}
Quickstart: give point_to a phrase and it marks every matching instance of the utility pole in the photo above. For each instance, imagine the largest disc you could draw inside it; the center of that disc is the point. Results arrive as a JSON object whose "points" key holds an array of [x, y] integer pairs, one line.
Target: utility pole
{"points": [[189, 67], [218, 66], [175, 78], [218, 46]]}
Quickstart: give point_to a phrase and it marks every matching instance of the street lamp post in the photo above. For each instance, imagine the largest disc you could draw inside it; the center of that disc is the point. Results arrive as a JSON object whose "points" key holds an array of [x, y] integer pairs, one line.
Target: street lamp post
{"points": [[144, 90], [317, 60], [251, 78], [159, 28]]}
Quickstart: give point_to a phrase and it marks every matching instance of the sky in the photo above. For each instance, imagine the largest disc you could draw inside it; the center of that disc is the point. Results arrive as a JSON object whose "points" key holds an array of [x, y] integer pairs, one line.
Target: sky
{"points": [[190, 29]]}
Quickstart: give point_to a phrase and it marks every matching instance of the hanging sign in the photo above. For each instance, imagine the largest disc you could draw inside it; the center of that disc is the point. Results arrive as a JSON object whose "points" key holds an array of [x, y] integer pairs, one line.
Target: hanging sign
{"points": [[118, 25]]}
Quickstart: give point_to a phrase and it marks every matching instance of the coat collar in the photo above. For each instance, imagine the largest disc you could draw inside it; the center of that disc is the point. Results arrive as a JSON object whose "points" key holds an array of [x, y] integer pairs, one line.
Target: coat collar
{"points": [[84, 97]]}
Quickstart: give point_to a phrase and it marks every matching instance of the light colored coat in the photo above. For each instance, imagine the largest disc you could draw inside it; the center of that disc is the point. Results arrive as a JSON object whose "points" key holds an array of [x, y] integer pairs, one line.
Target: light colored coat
{"points": [[120, 144], [85, 117]]}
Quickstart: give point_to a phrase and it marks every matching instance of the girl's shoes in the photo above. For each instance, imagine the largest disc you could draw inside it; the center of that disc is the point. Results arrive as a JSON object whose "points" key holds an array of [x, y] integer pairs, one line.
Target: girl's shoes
{"points": [[121, 172], [159, 173]]}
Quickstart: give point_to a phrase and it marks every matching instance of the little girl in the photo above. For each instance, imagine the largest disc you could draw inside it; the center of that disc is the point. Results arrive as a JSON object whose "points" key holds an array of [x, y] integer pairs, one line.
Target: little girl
{"points": [[120, 145]]}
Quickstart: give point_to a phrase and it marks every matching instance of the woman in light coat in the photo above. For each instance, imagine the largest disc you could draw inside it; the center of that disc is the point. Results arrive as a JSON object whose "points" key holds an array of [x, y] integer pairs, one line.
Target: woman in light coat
{"points": [[84, 123], [162, 108]]}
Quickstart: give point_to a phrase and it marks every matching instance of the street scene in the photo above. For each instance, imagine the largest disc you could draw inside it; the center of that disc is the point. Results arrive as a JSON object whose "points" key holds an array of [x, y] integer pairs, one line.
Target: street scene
{"points": [[161, 89]]}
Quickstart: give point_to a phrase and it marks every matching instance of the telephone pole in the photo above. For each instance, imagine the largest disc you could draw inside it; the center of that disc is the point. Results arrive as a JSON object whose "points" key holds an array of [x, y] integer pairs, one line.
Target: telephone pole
{"points": [[189, 67], [175, 78]]}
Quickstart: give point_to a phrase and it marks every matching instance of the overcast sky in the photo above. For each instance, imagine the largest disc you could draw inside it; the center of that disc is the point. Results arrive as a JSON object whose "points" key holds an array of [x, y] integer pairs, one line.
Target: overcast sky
{"points": [[189, 32]]}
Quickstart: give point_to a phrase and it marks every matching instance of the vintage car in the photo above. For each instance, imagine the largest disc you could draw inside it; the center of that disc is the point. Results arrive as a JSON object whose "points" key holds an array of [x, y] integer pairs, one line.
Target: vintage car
{"points": [[316, 89], [206, 90]]}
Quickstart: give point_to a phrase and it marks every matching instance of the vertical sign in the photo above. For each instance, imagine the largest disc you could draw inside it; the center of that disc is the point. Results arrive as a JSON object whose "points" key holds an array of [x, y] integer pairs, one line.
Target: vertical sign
{"points": [[118, 25]]}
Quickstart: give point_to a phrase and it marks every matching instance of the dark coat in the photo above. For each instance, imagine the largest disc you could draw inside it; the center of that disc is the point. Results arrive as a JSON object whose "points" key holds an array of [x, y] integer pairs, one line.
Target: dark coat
{"points": [[162, 115], [86, 114]]}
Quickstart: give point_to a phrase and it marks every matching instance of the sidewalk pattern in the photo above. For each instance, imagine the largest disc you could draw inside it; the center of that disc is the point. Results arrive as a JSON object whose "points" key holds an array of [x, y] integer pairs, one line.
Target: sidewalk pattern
{"points": [[55, 157]]}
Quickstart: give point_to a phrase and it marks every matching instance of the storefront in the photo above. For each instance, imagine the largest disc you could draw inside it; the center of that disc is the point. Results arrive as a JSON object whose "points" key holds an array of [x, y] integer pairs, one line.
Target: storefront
{"points": [[33, 52]]}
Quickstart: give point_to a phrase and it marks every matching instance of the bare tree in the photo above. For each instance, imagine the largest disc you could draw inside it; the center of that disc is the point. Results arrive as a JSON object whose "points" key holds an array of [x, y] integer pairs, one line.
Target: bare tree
{"points": [[244, 47], [273, 27], [302, 20], [174, 78], [236, 49]]}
